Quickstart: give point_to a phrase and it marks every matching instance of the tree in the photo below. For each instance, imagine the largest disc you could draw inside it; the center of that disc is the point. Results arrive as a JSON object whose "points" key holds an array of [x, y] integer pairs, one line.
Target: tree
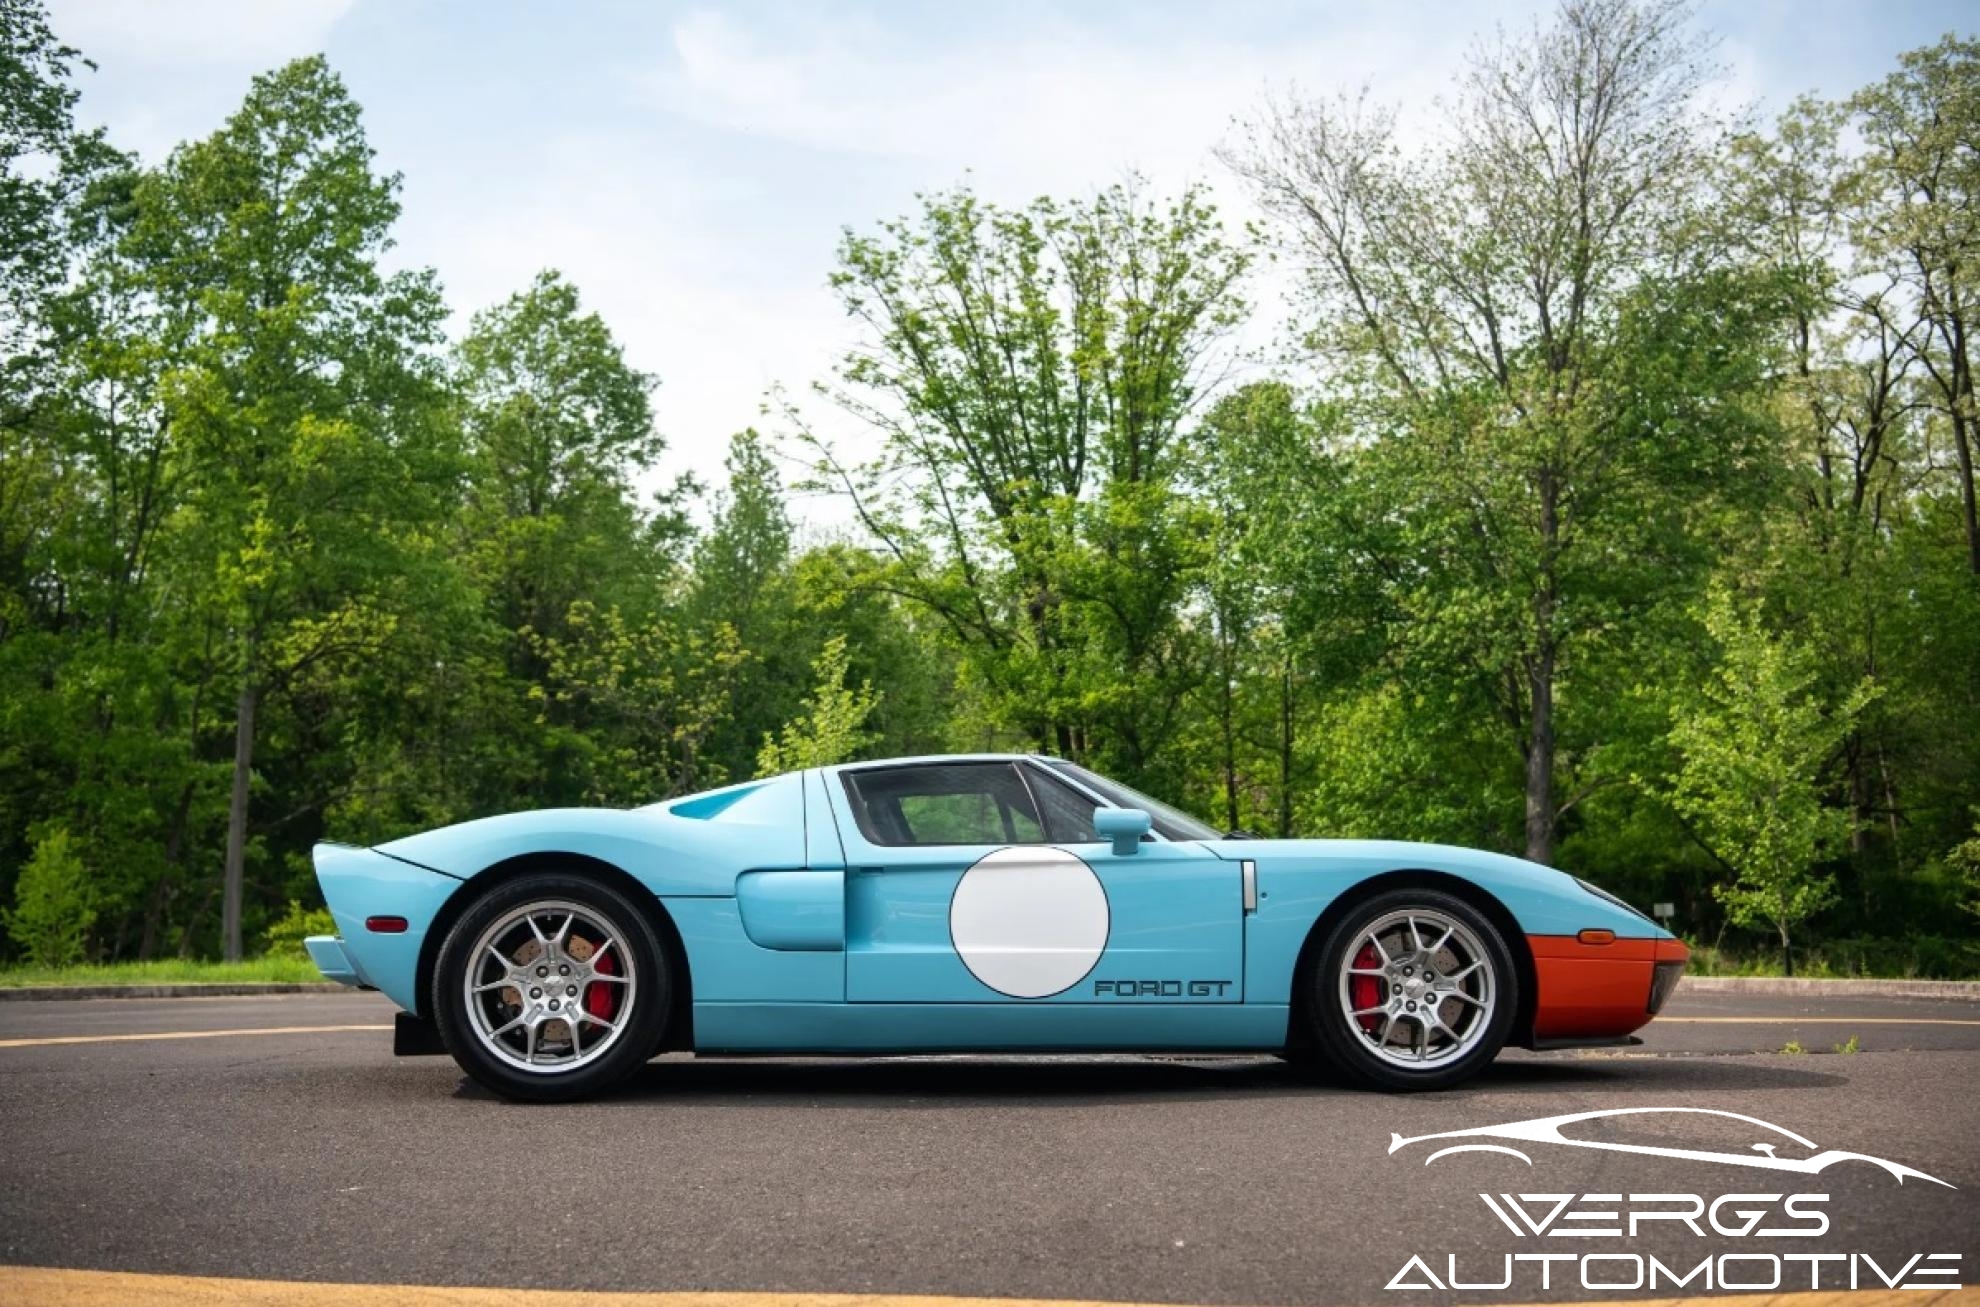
{"points": [[558, 427], [302, 393], [1029, 372], [52, 913], [1519, 329], [1753, 746], [1920, 195], [45, 167], [741, 576], [832, 727]]}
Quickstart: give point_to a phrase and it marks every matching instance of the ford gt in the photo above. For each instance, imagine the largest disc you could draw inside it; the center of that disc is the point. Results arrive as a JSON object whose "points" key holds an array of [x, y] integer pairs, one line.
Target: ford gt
{"points": [[1002, 903]]}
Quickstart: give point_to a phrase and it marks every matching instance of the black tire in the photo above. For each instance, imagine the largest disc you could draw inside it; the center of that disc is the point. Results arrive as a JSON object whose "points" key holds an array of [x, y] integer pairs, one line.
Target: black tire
{"points": [[1351, 1047], [646, 1007]]}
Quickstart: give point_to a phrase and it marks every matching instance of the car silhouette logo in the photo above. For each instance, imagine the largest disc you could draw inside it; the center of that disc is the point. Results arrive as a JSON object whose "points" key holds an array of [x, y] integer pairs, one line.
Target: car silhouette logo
{"points": [[1547, 1130]]}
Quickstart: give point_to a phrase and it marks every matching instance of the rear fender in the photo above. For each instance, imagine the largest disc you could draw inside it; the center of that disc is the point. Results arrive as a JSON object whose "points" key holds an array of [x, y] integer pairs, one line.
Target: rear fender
{"points": [[360, 884]]}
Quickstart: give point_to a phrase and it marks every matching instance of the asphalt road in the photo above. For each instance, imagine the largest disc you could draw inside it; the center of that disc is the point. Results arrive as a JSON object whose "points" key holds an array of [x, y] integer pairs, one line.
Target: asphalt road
{"points": [[315, 1155]]}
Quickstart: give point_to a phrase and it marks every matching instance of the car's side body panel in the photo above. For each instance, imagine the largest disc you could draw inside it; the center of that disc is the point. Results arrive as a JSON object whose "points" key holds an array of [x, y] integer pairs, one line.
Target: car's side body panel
{"points": [[801, 935], [727, 966]]}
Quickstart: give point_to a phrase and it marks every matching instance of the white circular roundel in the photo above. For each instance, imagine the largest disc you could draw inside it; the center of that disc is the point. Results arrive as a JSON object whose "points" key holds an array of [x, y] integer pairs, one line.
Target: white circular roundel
{"points": [[1029, 922]]}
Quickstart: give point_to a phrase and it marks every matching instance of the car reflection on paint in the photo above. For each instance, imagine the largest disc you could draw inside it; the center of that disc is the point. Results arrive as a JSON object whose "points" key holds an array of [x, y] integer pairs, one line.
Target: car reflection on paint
{"points": [[1548, 1130]]}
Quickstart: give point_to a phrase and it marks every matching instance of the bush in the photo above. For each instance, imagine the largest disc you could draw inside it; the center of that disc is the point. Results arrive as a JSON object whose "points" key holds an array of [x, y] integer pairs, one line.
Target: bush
{"points": [[285, 937], [52, 913]]}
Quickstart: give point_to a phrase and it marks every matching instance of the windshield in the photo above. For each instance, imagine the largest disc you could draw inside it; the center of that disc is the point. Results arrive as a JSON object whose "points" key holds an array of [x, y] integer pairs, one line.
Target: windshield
{"points": [[1171, 822]]}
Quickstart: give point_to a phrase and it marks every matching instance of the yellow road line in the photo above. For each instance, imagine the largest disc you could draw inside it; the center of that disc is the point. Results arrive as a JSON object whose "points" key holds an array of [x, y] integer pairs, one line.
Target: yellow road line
{"points": [[176, 1034], [1814, 1021], [32, 1286]]}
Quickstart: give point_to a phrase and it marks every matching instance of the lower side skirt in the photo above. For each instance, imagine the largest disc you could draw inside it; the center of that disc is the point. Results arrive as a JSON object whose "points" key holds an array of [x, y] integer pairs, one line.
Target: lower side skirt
{"points": [[1125, 1026]]}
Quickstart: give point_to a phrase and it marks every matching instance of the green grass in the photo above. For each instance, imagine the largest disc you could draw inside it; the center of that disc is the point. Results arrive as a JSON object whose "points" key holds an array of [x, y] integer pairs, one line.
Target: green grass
{"points": [[1921, 957], [172, 971]]}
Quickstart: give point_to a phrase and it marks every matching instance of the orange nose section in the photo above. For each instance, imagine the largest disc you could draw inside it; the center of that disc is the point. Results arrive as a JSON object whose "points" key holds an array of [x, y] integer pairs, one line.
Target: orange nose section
{"points": [[1594, 987]]}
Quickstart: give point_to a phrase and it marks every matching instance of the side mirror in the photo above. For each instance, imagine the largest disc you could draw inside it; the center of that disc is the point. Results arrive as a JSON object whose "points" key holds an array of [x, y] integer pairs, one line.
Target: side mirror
{"points": [[1124, 826]]}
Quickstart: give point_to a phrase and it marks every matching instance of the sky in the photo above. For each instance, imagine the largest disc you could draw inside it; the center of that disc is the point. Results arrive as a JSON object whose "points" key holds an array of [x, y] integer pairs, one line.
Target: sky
{"points": [[691, 167]]}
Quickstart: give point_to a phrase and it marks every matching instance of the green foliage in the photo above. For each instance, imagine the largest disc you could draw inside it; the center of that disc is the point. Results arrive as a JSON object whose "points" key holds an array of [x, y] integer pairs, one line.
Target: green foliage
{"points": [[50, 920], [832, 727], [281, 561], [284, 936], [1965, 861], [1752, 746]]}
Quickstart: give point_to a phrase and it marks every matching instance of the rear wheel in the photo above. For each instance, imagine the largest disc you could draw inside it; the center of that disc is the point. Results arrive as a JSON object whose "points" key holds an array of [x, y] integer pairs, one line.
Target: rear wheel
{"points": [[1414, 989], [551, 987]]}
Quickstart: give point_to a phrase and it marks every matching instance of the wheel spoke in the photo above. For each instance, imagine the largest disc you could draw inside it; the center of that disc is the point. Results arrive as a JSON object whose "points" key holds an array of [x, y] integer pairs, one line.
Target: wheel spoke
{"points": [[1429, 939], [550, 1042]]}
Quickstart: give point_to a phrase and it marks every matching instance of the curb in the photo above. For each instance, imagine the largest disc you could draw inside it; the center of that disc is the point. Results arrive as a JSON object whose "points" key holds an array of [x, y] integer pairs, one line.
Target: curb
{"points": [[1785, 986], [216, 989]]}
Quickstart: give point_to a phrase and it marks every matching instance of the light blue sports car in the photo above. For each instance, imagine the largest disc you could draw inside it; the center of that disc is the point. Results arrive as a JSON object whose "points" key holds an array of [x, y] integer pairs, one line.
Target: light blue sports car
{"points": [[967, 903]]}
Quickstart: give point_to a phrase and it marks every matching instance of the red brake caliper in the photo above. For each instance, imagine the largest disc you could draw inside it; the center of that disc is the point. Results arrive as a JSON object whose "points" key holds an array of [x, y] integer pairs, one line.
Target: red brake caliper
{"points": [[1366, 991], [602, 1001]]}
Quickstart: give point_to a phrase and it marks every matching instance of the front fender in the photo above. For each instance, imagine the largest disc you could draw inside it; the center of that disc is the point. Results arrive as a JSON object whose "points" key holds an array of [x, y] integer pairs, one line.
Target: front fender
{"points": [[1298, 880]]}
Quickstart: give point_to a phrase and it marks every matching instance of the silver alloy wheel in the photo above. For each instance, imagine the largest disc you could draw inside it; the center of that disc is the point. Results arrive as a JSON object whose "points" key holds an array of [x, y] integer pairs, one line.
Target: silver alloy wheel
{"points": [[529, 986], [1433, 988]]}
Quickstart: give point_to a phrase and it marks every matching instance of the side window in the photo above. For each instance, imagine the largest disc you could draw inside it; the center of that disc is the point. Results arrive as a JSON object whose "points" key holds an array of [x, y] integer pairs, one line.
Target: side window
{"points": [[944, 803], [1068, 813]]}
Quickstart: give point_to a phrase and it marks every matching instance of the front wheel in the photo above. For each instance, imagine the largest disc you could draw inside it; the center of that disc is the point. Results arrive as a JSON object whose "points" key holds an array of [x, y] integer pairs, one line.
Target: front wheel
{"points": [[551, 987], [1414, 989]]}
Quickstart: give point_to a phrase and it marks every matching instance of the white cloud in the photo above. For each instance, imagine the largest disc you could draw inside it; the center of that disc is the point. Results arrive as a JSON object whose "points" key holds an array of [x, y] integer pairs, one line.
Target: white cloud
{"points": [[1051, 108], [197, 32]]}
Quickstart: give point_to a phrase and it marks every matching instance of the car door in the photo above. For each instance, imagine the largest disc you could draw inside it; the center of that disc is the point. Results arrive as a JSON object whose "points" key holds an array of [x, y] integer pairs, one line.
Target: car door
{"points": [[981, 881]]}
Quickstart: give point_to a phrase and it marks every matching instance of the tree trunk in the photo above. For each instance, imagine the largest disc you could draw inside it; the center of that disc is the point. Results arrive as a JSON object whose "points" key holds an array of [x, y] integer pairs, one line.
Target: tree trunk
{"points": [[1229, 711], [1963, 446], [1787, 955], [237, 817], [1285, 749], [1540, 761]]}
